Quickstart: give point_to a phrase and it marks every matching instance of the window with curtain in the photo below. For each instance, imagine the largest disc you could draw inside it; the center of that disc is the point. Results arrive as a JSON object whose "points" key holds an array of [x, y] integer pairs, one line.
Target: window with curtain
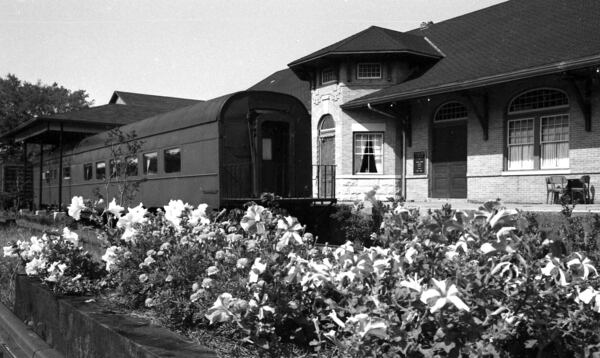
{"points": [[538, 130], [151, 163], [368, 153]]}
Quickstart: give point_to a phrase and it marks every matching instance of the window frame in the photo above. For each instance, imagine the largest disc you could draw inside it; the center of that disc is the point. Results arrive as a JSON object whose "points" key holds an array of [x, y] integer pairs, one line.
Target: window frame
{"points": [[91, 172], [445, 104], [536, 115], [359, 77], [327, 70], [131, 159], [66, 172], [355, 155]]}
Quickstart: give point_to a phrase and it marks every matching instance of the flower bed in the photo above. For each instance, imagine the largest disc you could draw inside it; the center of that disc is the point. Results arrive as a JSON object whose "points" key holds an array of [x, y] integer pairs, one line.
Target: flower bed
{"points": [[445, 283]]}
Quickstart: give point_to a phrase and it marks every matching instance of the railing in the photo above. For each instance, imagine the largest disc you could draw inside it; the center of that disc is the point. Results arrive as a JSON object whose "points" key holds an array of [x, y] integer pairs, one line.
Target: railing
{"points": [[325, 180]]}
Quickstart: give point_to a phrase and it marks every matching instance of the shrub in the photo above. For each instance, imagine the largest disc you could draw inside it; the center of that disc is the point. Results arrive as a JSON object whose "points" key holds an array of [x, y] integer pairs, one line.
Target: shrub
{"points": [[445, 283]]}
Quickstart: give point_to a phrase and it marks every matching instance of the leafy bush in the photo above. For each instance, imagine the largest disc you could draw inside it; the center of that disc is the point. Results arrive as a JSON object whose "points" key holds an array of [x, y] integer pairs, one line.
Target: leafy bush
{"points": [[445, 283]]}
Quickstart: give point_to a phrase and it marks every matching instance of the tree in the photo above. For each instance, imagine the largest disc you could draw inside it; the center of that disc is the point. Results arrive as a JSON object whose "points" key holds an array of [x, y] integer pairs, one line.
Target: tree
{"points": [[21, 101]]}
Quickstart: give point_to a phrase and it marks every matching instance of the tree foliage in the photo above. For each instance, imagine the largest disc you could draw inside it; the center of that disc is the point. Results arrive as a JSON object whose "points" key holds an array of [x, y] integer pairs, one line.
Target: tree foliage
{"points": [[21, 101]]}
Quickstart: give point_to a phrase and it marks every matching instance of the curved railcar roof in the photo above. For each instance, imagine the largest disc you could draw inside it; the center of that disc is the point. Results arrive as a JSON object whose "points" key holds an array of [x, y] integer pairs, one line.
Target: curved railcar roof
{"points": [[203, 112]]}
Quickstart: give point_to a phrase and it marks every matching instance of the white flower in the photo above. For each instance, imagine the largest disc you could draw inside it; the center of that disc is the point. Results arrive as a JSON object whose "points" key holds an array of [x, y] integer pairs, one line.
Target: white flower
{"points": [[584, 263], [553, 270], [487, 248], [256, 269], [199, 215], [443, 296], [506, 267], [220, 310], [410, 254], [110, 257], [334, 317], [242, 263], [115, 209], [37, 245], [212, 270], [135, 215], [70, 236], [369, 325], [505, 231], [35, 266], [252, 220], [412, 283], [502, 216], [149, 302], [174, 210], [76, 207], [10, 251], [290, 227], [143, 278], [587, 295], [169, 278]]}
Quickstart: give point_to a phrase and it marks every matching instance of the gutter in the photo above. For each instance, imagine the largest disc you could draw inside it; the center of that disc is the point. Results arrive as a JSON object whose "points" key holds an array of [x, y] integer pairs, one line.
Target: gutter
{"points": [[18, 340], [403, 146], [479, 82]]}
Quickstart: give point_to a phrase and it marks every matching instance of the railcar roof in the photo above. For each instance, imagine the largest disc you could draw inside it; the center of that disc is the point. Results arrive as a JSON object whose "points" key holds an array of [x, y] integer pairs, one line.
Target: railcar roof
{"points": [[285, 81], [152, 101]]}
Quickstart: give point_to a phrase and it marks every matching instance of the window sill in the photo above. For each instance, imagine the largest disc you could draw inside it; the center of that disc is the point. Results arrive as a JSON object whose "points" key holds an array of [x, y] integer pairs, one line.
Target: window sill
{"points": [[369, 176], [536, 172]]}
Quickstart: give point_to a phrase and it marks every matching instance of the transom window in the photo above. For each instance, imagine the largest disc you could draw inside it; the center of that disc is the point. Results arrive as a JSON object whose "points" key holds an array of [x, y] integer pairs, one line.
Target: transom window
{"points": [[327, 75], [367, 71], [327, 126], [451, 111], [543, 98], [538, 130], [368, 153]]}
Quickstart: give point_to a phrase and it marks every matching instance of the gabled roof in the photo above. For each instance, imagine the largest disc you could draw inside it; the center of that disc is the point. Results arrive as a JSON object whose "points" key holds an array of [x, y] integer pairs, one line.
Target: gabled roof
{"points": [[285, 81], [508, 41], [147, 100], [374, 40]]}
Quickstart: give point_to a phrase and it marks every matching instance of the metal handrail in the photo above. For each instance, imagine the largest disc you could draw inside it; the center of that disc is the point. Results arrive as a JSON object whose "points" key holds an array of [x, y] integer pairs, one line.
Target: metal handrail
{"points": [[325, 180]]}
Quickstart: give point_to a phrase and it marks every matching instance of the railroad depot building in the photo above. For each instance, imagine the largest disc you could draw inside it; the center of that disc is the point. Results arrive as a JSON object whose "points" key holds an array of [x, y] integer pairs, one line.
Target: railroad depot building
{"points": [[482, 106]]}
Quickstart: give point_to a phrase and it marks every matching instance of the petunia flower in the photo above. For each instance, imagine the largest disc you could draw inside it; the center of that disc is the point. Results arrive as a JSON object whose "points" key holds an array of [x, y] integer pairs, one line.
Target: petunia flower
{"points": [[10, 251], [290, 228], [220, 312], [553, 269], [256, 269], [369, 325], [584, 263], [442, 295], [413, 283], [252, 220], [174, 210], [212, 270], [410, 254], [76, 207], [115, 208], [198, 216], [70, 236], [486, 248]]}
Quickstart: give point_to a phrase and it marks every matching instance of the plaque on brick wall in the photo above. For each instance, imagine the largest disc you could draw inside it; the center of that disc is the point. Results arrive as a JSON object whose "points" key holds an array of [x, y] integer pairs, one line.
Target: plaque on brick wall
{"points": [[419, 163]]}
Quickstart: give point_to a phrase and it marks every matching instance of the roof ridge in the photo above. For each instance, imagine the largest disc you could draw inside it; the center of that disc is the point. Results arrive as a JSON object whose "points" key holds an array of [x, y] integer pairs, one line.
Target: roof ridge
{"points": [[154, 95]]}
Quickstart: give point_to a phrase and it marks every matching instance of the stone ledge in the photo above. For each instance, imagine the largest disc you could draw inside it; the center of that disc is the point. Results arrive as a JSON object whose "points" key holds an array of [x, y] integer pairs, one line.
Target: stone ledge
{"points": [[76, 328]]}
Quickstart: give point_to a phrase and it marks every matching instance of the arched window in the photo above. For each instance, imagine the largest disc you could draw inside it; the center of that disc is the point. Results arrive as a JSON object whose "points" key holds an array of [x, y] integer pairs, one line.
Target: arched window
{"points": [[538, 130], [451, 111]]}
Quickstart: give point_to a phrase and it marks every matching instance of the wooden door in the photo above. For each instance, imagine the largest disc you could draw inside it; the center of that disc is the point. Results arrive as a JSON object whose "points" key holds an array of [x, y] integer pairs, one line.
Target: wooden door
{"points": [[326, 169], [449, 161]]}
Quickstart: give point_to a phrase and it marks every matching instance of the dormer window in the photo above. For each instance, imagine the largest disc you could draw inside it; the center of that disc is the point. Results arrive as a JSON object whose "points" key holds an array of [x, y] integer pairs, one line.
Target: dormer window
{"points": [[368, 71], [327, 75]]}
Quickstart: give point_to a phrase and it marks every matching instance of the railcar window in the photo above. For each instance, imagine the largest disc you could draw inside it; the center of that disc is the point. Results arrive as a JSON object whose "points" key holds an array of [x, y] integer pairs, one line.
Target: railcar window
{"points": [[87, 171], [150, 163], [173, 160], [67, 173], [100, 170], [115, 170], [132, 166]]}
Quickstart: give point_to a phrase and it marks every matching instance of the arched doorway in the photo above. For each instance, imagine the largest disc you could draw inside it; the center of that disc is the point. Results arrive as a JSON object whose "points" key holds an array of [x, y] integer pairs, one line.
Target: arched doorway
{"points": [[326, 157], [449, 152]]}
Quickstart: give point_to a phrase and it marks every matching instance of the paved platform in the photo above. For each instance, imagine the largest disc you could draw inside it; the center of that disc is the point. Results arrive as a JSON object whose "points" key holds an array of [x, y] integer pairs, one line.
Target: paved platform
{"points": [[469, 205]]}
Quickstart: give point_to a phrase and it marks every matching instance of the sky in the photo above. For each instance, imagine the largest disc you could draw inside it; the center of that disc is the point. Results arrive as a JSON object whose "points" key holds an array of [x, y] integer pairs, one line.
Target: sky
{"points": [[197, 49]]}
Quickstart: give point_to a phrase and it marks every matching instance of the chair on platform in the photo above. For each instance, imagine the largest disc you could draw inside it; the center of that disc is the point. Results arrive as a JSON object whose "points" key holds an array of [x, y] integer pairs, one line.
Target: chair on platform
{"points": [[555, 187], [582, 191]]}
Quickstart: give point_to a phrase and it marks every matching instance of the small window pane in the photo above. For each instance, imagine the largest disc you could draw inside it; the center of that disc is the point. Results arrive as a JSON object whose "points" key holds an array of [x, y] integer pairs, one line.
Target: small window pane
{"points": [[451, 111], [151, 163], [172, 160], [368, 153], [87, 171], [267, 149], [368, 71], [67, 173], [100, 170], [132, 166]]}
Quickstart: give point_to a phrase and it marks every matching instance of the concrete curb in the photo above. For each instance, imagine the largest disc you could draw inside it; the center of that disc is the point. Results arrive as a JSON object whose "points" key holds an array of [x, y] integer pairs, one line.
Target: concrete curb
{"points": [[21, 340]]}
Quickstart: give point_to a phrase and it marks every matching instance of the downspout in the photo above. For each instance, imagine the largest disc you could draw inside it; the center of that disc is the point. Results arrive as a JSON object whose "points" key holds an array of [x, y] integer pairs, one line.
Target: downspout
{"points": [[403, 146]]}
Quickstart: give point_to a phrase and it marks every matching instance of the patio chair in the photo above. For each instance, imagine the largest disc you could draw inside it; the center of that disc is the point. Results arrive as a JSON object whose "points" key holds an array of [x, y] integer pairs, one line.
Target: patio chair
{"points": [[582, 191], [555, 187]]}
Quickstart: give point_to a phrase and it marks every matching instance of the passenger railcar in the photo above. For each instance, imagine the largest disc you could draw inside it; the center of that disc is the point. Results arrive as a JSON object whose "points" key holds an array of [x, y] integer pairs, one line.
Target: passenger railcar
{"points": [[222, 151]]}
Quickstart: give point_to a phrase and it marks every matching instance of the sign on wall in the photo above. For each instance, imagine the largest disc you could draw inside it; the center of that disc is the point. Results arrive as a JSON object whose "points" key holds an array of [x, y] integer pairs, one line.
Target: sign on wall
{"points": [[419, 162]]}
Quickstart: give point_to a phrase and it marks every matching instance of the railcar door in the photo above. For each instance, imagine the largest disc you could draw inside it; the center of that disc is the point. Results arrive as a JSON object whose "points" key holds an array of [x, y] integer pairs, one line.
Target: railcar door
{"points": [[274, 154]]}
